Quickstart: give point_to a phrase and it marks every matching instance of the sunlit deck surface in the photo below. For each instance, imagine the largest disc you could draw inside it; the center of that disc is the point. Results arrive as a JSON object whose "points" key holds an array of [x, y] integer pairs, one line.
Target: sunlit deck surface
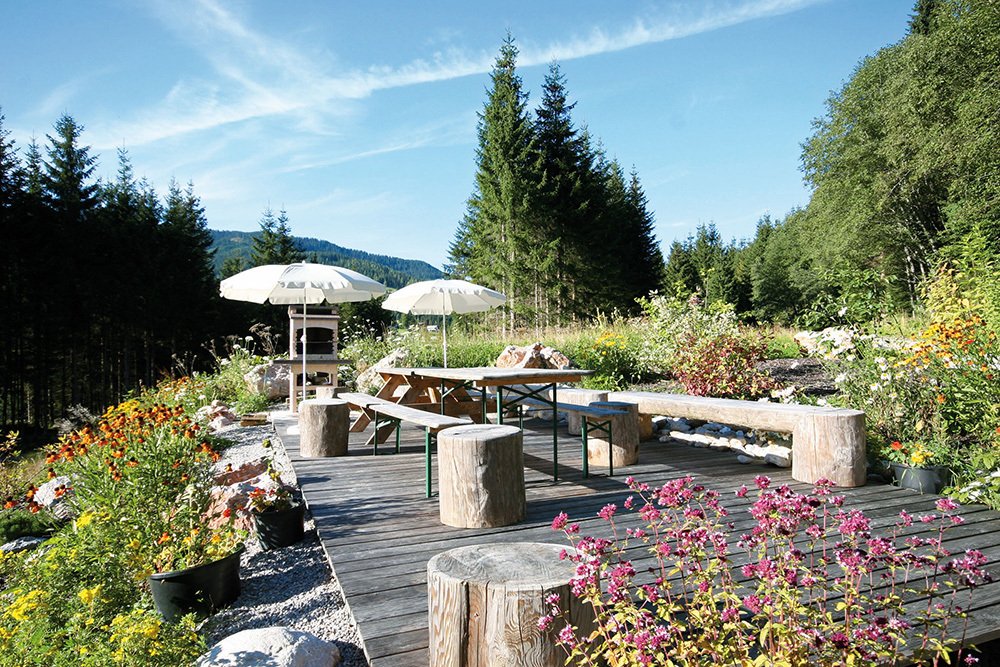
{"points": [[379, 530]]}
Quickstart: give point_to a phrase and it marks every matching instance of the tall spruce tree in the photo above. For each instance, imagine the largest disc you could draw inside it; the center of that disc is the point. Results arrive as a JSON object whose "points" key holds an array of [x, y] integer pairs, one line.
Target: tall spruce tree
{"points": [[642, 254], [274, 243], [489, 246], [188, 273], [565, 211]]}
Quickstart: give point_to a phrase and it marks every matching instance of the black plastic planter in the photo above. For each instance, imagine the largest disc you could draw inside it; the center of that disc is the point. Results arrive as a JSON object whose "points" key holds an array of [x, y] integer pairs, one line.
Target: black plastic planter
{"points": [[925, 480], [201, 589], [280, 528]]}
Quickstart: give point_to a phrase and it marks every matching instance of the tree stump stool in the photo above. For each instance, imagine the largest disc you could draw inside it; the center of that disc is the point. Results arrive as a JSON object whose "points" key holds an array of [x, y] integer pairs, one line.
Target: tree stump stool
{"points": [[323, 426], [578, 397], [484, 602], [624, 436], [481, 476]]}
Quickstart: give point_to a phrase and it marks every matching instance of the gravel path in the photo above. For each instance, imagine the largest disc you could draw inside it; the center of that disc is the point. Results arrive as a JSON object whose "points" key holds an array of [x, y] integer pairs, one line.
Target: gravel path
{"points": [[294, 586]]}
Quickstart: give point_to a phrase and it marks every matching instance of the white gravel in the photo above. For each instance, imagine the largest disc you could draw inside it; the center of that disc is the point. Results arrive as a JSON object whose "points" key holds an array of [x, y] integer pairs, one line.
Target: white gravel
{"points": [[293, 586]]}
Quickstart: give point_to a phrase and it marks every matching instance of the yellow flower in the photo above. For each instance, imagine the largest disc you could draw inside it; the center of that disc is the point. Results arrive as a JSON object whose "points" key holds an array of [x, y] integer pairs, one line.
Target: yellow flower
{"points": [[85, 520], [88, 595], [22, 607]]}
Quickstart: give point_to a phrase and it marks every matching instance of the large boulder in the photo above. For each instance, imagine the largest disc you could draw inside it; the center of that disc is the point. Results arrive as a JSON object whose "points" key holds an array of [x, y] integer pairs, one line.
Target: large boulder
{"points": [[228, 502], [271, 647], [369, 381], [532, 356], [271, 380]]}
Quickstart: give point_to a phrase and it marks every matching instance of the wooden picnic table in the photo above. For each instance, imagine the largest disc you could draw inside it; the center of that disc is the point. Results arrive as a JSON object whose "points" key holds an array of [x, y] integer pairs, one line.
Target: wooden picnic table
{"points": [[463, 391]]}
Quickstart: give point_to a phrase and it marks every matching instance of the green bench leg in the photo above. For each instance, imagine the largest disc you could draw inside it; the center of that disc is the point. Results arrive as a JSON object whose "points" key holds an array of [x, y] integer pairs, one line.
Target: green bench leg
{"points": [[604, 427], [379, 423]]}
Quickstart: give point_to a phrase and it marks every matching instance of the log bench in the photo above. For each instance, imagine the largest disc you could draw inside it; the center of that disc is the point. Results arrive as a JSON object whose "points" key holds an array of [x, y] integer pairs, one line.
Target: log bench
{"points": [[323, 424], [481, 476], [387, 413], [827, 443]]}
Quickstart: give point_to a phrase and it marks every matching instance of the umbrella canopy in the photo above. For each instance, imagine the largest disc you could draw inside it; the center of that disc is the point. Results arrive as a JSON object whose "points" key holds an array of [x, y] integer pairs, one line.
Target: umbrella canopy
{"points": [[443, 297], [300, 283]]}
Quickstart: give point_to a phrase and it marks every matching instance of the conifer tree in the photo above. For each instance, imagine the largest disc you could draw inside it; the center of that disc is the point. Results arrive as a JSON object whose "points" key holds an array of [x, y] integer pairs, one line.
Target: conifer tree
{"points": [[68, 173], [274, 244], [490, 244], [642, 255], [564, 210]]}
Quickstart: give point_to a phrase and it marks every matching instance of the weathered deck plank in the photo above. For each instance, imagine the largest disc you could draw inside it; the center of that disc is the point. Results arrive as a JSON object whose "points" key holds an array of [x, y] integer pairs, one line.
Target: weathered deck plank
{"points": [[379, 530]]}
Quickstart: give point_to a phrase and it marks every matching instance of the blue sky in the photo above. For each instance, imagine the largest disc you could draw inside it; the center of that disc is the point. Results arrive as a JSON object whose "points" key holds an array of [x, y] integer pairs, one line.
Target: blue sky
{"points": [[359, 118]]}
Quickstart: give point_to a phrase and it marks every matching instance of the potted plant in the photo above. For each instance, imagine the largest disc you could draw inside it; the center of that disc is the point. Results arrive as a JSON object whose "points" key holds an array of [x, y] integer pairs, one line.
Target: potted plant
{"points": [[916, 465], [278, 515], [197, 568]]}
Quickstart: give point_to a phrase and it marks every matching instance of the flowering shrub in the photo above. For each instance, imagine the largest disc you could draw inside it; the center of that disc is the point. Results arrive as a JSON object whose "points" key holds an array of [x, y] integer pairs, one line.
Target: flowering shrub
{"points": [[613, 360], [275, 497], [723, 366], [817, 586], [917, 454], [672, 323], [939, 391], [137, 485]]}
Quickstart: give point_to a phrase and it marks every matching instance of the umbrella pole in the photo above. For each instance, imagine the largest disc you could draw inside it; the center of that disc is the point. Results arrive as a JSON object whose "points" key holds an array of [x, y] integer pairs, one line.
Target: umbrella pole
{"points": [[305, 322], [444, 328]]}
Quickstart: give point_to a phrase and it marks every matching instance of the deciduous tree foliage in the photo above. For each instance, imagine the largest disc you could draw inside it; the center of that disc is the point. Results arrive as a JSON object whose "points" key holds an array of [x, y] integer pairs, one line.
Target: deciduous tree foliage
{"points": [[904, 168]]}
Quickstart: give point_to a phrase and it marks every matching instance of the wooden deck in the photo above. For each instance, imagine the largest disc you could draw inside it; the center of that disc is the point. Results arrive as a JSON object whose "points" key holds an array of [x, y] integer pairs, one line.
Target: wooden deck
{"points": [[379, 530]]}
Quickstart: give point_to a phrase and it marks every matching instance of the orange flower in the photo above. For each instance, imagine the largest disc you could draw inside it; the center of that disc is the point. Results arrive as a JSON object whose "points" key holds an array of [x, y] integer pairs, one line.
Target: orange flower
{"points": [[9, 505], [163, 539], [896, 445], [939, 398], [52, 473]]}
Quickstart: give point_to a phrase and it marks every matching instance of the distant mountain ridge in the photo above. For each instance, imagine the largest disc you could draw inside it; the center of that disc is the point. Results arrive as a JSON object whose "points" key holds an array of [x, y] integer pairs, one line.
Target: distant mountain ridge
{"points": [[391, 271]]}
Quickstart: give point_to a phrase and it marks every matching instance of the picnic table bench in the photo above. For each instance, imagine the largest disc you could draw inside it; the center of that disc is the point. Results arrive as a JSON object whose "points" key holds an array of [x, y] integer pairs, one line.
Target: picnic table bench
{"points": [[383, 412], [592, 420]]}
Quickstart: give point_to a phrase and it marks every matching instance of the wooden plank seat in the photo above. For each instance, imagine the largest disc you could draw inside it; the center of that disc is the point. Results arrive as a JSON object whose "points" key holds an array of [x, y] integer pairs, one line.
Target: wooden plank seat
{"points": [[387, 413], [827, 443], [592, 420]]}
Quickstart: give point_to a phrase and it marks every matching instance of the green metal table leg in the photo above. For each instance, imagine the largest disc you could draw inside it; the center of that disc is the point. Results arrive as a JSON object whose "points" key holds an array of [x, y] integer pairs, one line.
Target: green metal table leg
{"points": [[586, 463], [499, 404], [483, 390], [555, 437], [375, 448], [399, 427], [427, 462]]}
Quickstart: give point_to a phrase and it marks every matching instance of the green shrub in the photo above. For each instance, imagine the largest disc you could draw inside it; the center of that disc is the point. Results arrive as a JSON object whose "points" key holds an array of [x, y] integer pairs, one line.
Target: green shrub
{"points": [[15, 523], [782, 345], [672, 322], [614, 361]]}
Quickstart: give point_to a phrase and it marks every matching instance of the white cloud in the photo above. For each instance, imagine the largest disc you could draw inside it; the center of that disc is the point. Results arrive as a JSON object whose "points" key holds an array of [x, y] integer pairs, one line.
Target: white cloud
{"points": [[288, 81]]}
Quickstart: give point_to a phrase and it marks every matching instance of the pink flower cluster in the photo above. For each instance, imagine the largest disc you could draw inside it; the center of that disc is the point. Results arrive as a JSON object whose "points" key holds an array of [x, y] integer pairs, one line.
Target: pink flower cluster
{"points": [[825, 583]]}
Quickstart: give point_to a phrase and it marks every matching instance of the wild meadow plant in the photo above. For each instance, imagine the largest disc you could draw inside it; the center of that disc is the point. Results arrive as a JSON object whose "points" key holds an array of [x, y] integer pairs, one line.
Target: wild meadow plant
{"points": [[817, 586], [138, 493]]}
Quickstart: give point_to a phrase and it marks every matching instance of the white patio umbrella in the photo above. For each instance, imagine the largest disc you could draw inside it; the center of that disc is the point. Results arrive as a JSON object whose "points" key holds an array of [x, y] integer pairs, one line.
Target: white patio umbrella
{"points": [[443, 297], [300, 283]]}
